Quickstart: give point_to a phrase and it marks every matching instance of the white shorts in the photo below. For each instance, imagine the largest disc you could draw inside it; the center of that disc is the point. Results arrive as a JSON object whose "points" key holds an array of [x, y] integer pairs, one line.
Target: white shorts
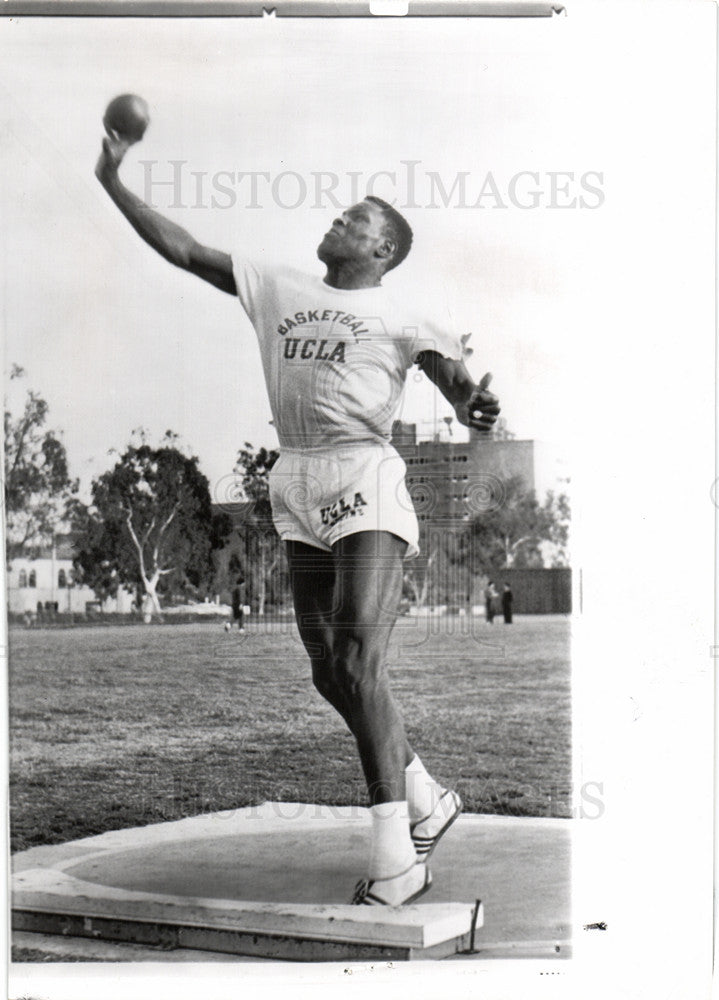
{"points": [[322, 494]]}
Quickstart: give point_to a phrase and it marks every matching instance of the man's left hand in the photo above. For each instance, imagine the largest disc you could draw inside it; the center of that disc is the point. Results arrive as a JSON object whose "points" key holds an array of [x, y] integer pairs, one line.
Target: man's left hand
{"points": [[481, 410]]}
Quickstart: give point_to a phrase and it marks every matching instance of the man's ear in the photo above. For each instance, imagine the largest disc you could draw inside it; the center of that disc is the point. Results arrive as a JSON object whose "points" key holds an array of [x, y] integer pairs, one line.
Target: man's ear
{"points": [[386, 249]]}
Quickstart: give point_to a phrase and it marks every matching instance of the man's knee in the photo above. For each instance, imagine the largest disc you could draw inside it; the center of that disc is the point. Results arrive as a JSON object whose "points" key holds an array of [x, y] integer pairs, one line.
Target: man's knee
{"points": [[357, 663]]}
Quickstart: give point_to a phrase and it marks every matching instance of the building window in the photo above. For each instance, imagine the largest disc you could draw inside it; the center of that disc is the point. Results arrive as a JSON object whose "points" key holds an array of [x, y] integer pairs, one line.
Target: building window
{"points": [[22, 578], [62, 578], [32, 582]]}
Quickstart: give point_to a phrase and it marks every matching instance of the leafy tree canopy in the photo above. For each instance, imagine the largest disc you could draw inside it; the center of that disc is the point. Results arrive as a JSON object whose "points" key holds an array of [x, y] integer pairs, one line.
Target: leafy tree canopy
{"points": [[150, 524], [513, 528], [254, 468], [38, 487]]}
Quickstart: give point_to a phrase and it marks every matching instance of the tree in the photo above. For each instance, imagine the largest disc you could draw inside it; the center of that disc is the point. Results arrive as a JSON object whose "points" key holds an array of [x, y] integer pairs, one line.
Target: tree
{"points": [[416, 579], [96, 543], [514, 528], [264, 549], [150, 526], [441, 573], [556, 513], [38, 488], [255, 467]]}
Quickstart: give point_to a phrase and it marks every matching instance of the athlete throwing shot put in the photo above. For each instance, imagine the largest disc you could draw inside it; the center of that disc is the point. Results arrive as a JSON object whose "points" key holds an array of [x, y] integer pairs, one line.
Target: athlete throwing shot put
{"points": [[336, 351]]}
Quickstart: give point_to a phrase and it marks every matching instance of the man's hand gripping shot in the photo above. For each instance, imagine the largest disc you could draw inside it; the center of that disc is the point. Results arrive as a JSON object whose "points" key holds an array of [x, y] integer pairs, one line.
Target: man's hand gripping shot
{"points": [[327, 344]]}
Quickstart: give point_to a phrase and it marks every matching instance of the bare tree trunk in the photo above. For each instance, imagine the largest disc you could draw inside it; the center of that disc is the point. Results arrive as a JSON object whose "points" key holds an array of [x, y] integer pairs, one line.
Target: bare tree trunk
{"points": [[425, 584], [263, 578], [511, 550], [152, 601]]}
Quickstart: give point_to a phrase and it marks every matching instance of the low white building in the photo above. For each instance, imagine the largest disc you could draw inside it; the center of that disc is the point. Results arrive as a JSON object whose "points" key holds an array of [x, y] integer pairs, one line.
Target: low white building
{"points": [[47, 580]]}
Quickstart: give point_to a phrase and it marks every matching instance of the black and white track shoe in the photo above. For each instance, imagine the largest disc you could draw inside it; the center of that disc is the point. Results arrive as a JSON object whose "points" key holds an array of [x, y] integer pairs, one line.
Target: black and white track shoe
{"points": [[396, 891]]}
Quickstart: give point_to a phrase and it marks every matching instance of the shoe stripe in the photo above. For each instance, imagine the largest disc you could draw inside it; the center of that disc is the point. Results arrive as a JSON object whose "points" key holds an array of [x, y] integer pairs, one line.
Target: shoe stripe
{"points": [[456, 802], [425, 845], [365, 897]]}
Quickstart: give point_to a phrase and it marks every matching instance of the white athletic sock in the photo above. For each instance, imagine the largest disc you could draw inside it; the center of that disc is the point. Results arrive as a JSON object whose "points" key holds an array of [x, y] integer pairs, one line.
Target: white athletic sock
{"points": [[423, 792], [392, 848]]}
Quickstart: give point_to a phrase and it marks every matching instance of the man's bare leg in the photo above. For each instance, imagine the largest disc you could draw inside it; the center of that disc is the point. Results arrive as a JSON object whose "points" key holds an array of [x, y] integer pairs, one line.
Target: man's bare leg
{"points": [[368, 584], [345, 613], [312, 578], [317, 601]]}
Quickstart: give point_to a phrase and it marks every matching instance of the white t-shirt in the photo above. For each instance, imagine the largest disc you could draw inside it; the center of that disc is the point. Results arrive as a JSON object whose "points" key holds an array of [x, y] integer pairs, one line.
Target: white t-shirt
{"points": [[335, 360]]}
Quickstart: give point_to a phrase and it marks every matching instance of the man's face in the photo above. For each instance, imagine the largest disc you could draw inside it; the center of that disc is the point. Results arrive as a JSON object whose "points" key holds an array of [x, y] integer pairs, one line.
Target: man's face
{"points": [[355, 235]]}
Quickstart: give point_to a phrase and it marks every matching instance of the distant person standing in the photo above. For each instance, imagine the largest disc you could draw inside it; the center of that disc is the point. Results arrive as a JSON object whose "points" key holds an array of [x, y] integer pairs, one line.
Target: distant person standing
{"points": [[238, 614], [507, 601], [490, 595]]}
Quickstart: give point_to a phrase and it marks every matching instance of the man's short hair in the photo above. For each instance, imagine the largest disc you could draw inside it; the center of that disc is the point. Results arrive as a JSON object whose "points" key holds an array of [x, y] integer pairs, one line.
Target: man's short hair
{"points": [[397, 228]]}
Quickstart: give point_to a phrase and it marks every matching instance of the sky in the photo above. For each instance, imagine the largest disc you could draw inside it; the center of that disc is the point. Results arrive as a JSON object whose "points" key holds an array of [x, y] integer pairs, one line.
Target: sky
{"points": [[116, 339]]}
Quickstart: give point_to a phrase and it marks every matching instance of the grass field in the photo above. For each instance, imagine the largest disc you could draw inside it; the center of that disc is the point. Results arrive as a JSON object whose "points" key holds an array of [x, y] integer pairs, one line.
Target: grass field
{"points": [[116, 727]]}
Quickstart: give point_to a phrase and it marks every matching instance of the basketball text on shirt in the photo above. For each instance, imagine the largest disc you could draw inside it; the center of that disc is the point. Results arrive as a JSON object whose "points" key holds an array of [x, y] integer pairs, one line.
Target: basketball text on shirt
{"points": [[327, 316]]}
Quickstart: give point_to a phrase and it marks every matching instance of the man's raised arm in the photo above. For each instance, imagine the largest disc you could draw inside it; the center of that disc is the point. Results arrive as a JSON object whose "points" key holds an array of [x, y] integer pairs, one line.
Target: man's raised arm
{"points": [[474, 405], [170, 240]]}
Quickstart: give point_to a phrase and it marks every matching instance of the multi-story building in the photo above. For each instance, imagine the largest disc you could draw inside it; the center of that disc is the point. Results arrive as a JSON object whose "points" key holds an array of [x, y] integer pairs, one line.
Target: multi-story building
{"points": [[455, 481], [452, 483]]}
